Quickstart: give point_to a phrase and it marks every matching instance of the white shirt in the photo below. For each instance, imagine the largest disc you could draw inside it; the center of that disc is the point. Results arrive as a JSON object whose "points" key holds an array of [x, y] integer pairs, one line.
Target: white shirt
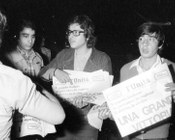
{"points": [[159, 61], [18, 92]]}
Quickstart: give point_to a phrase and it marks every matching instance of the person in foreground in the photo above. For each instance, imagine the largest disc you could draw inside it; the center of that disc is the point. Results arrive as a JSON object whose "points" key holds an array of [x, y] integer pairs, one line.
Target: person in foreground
{"points": [[81, 55], [150, 38], [18, 92]]}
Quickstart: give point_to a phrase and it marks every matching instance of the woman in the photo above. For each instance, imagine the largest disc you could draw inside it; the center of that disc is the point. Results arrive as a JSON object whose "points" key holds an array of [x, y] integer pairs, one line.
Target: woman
{"points": [[80, 55]]}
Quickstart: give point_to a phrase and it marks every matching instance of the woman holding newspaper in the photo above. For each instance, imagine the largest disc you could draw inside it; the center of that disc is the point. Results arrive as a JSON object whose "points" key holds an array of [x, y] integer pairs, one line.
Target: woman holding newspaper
{"points": [[150, 42], [80, 55]]}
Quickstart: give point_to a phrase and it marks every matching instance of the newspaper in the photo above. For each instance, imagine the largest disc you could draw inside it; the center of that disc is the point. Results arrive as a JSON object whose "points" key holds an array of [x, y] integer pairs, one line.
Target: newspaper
{"points": [[141, 101], [87, 85]]}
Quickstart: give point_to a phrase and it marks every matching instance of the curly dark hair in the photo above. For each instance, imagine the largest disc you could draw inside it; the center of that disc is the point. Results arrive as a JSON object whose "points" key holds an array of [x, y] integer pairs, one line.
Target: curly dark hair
{"points": [[24, 23], [87, 25]]}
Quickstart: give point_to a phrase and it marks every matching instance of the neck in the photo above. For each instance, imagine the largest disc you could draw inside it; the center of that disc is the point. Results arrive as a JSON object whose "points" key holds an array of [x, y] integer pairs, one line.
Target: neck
{"points": [[147, 63], [25, 51], [82, 50]]}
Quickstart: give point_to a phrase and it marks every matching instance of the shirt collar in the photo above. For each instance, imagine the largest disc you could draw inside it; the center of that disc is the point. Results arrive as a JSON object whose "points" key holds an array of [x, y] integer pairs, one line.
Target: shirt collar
{"points": [[159, 61], [24, 53]]}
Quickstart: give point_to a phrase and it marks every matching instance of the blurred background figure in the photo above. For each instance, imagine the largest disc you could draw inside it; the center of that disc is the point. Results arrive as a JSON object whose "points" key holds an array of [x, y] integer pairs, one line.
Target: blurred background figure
{"points": [[42, 47], [25, 58], [22, 55]]}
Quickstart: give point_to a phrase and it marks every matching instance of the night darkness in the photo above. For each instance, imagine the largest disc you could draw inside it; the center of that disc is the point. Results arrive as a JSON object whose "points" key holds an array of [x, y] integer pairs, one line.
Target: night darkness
{"points": [[115, 21]]}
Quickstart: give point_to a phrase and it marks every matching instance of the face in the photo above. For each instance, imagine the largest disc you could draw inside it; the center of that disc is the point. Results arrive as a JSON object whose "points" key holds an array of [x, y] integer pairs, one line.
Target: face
{"points": [[148, 45], [76, 36], [26, 39]]}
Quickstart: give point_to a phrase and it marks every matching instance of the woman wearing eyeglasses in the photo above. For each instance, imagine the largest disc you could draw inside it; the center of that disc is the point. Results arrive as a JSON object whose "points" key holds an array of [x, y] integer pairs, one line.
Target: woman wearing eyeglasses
{"points": [[80, 55]]}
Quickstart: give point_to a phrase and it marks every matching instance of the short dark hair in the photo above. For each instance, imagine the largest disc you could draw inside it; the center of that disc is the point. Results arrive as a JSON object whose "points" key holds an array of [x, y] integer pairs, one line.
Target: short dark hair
{"points": [[24, 23], [87, 25], [148, 28]]}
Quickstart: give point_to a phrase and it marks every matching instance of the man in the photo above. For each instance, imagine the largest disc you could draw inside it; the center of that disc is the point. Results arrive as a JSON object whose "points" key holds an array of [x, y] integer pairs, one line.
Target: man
{"points": [[19, 93], [150, 39]]}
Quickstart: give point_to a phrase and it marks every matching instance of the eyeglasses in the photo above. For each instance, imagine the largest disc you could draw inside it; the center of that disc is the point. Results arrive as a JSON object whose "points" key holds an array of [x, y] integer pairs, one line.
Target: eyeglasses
{"points": [[74, 32]]}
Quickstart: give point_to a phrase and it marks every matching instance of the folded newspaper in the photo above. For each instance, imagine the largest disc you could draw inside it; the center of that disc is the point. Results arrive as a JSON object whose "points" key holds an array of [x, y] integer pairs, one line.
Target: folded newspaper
{"points": [[87, 85]]}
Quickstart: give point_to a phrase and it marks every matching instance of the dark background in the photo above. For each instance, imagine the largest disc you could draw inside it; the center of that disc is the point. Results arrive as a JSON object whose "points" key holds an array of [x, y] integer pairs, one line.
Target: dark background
{"points": [[115, 20]]}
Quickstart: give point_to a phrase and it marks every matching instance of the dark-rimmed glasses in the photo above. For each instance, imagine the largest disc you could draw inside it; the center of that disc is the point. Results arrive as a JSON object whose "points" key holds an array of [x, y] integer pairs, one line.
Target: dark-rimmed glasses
{"points": [[74, 32]]}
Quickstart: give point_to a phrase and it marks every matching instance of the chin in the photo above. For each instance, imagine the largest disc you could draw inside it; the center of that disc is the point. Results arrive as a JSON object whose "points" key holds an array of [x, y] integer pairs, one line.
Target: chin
{"points": [[74, 47]]}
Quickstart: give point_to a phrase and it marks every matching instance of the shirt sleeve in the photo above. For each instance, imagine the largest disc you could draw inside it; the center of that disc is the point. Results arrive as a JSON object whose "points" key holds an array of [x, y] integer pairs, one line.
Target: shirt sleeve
{"points": [[32, 102], [47, 71]]}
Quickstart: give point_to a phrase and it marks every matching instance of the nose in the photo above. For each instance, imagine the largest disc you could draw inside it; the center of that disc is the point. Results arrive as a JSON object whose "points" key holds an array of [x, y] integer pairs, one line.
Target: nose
{"points": [[30, 40], [71, 35], [145, 42]]}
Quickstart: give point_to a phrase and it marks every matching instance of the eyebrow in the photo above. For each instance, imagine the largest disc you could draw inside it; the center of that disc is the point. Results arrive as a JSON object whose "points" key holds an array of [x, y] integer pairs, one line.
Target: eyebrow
{"points": [[23, 34]]}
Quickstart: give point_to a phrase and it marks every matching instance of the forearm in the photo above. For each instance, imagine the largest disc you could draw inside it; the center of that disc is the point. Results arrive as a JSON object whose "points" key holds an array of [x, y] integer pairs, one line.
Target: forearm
{"points": [[47, 74]]}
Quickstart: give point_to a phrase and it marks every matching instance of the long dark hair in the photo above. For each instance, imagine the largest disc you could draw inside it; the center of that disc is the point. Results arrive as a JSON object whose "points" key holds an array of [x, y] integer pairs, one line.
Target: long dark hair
{"points": [[87, 25]]}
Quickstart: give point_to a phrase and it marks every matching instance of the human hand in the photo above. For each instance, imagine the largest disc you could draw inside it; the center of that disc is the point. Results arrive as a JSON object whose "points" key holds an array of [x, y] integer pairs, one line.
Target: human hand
{"points": [[62, 76], [79, 102], [171, 87], [104, 112]]}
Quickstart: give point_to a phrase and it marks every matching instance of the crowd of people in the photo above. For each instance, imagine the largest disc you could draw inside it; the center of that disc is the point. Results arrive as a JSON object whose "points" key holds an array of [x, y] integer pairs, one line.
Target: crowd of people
{"points": [[23, 98]]}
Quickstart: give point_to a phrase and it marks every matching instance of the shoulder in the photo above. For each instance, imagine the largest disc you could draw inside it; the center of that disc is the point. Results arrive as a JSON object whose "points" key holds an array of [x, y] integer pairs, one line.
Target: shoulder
{"points": [[127, 66], [127, 71], [67, 52], [14, 56], [100, 54], [11, 73], [168, 62], [15, 85]]}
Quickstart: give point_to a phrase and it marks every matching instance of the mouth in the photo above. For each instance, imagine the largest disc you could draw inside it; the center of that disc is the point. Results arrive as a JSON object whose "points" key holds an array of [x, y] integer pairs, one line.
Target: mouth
{"points": [[72, 42], [145, 51]]}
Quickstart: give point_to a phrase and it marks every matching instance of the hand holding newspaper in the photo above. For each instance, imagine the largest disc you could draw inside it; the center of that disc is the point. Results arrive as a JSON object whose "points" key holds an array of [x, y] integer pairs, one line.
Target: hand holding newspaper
{"points": [[88, 86]]}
